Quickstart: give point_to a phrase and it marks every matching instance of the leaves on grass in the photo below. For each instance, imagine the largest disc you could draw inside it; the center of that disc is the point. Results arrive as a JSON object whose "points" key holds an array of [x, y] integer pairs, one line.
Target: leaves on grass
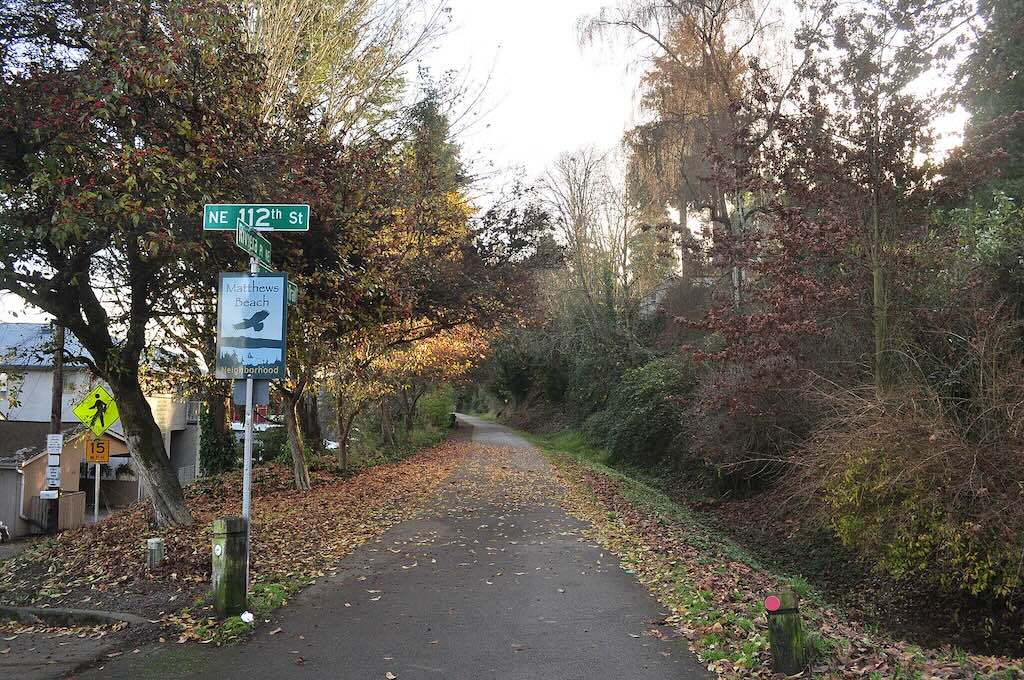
{"points": [[716, 597]]}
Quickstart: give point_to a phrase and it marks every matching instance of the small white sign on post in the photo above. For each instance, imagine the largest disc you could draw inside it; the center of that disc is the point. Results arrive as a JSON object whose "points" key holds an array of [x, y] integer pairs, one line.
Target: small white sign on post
{"points": [[54, 444]]}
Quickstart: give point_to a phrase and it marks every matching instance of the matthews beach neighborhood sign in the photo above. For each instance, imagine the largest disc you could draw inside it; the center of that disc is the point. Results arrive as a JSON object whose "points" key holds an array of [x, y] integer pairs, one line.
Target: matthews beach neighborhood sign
{"points": [[251, 322]]}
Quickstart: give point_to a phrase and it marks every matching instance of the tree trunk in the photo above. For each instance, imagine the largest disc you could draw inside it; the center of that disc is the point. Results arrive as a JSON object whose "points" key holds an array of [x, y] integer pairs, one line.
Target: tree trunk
{"points": [[387, 427], [309, 409], [346, 419], [217, 407], [410, 420], [339, 410], [408, 409], [879, 304], [299, 467], [343, 453], [146, 447], [880, 320]]}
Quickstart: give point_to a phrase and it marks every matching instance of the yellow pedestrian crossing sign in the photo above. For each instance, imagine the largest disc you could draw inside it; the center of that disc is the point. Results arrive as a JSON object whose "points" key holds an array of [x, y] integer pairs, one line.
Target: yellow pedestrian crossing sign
{"points": [[97, 411]]}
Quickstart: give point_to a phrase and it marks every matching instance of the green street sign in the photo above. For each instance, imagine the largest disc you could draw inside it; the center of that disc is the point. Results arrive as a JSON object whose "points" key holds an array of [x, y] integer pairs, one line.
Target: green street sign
{"points": [[258, 216], [252, 243], [293, 289]]}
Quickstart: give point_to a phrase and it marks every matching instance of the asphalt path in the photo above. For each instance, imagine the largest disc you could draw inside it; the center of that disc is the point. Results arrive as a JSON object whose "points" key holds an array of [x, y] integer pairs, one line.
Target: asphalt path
{"points": [[493, 581]]}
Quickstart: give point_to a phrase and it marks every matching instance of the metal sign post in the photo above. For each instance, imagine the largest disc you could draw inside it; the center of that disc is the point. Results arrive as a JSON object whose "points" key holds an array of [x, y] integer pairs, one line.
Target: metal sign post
{"points": [[97, 451], [254, 269], [252, 316]]}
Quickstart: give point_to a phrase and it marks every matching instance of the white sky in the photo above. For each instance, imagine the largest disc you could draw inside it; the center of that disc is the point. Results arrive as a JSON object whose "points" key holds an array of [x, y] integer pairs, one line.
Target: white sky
{"points": [[546, 93]]}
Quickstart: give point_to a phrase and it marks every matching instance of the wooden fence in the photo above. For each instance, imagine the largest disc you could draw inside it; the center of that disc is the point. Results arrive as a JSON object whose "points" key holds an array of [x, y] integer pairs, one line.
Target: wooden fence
{"points": [[70, 510]]}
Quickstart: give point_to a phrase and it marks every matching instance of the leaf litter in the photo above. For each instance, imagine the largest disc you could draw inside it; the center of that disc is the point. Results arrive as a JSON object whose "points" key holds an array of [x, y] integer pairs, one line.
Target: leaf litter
{"points": [[297, 537], [716, 596]]}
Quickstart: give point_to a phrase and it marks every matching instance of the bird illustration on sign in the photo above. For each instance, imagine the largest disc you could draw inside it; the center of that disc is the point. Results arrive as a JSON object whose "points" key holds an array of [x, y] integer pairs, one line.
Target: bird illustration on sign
{"points": [[254, 322]]}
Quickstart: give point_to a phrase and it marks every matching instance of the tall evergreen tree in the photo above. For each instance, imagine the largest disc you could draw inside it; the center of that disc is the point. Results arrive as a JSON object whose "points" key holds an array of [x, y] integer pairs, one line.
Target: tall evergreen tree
{"points": [[993, 86]]}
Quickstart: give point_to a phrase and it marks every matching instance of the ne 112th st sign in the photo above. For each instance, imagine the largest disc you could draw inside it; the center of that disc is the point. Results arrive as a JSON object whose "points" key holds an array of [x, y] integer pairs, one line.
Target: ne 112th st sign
{"points": [[252, 318], [258, 216]]}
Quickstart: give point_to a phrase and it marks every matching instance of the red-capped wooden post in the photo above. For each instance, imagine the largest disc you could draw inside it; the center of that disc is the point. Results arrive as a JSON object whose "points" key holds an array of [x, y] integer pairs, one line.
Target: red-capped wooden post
{"points": [[786, 633]]}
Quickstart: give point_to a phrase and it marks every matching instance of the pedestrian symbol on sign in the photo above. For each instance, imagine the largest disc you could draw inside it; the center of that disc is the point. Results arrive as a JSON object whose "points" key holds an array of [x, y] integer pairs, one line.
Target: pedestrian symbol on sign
{"points": [[99, 408], [97, 411]]}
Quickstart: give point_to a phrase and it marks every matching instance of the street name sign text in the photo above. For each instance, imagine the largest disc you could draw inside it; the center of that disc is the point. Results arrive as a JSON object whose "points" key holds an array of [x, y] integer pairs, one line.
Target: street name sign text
{"points": [[259, 216], [252, 243]]}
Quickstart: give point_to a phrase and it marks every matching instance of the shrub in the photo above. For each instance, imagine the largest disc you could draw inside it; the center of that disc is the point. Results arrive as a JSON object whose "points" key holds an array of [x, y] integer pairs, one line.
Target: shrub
{"points": [[744, 420], [645, 411], [434, 408], [596, 426], [271, 446], [925, 480], [219, 452], [914, 498]]}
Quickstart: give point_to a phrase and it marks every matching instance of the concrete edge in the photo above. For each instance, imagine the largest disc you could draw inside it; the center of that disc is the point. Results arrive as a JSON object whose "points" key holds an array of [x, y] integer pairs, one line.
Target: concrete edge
{"points": [[68, 617]]}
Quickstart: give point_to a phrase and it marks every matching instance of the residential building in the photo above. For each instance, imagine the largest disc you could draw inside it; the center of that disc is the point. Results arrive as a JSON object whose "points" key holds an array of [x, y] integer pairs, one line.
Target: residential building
{"points": [[26, 385]]}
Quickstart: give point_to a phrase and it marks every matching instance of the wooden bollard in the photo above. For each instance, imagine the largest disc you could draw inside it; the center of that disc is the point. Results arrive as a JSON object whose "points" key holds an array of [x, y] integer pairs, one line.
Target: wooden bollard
{"points": [[786, 633], [229, 565], [154, 552]]}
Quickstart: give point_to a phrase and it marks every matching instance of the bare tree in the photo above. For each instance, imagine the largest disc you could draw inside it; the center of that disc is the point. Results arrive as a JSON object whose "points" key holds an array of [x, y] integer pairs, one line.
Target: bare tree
{"points": [[344, 60], [701, 54]]}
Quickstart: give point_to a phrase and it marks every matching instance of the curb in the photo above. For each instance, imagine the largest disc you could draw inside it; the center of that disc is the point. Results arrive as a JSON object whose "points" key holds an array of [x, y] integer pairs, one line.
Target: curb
{"points": [[68, 617]]}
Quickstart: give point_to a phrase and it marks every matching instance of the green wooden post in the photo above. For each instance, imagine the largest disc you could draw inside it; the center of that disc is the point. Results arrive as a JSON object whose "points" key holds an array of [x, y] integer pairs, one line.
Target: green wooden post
{"points": [[229, 565], [786, 633]]}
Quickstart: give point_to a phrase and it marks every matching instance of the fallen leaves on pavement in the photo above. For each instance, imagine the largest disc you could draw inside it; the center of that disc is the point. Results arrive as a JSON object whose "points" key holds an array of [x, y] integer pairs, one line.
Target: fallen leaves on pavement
{"points": [[296, 537]]}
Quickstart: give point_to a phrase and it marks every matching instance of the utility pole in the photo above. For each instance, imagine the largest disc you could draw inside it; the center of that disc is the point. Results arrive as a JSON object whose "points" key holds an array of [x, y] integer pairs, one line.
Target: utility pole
{"points": [[57, 392], [56, 419]]}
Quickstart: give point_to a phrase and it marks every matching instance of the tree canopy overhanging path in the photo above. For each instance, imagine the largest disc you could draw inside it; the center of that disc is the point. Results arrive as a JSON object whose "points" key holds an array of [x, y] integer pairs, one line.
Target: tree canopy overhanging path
{"points": [[494, 580]]}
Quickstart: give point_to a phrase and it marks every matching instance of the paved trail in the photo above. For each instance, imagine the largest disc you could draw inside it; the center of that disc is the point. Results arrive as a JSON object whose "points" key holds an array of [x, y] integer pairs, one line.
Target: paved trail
{"points": [[495, 582]]}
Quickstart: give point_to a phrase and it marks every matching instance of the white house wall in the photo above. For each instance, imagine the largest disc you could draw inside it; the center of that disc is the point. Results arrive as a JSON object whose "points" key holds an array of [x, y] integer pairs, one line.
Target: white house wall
{"points": [[35, 392]]}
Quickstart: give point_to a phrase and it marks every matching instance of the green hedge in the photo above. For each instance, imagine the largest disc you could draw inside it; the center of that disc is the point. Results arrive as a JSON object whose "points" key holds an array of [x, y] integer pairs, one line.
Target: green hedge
{"points": [[644, 420], [435, 408]]}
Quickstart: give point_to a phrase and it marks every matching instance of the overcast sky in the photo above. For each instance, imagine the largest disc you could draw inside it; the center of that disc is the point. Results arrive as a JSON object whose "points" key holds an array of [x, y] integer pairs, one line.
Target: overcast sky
{"points": [[546, 93], [540, 91]]}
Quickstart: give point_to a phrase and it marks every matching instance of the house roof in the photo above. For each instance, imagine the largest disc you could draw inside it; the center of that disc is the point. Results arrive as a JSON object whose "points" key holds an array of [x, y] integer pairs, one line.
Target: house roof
{"points": [[30, 346], [21, 441], [21, 458]]}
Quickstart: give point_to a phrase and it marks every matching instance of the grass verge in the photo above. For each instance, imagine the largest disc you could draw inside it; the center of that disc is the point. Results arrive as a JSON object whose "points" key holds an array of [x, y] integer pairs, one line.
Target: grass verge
{"points": [[715, 589]]}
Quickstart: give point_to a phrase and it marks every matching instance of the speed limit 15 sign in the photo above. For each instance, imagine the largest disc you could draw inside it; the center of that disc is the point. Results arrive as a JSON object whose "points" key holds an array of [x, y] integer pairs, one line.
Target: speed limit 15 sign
{"points": [[97, 451]]}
